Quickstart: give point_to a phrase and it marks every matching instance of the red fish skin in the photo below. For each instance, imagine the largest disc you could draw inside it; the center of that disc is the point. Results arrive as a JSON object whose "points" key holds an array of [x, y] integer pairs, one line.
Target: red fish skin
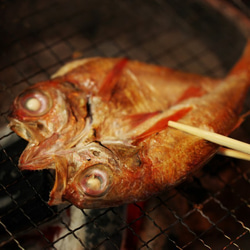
{"points": [[149, 80], [93, 130]]}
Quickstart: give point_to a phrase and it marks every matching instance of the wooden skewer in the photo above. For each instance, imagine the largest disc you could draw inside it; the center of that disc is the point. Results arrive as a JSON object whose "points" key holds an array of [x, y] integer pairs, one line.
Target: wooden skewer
{"points": [[233, 153], [215, 138]]}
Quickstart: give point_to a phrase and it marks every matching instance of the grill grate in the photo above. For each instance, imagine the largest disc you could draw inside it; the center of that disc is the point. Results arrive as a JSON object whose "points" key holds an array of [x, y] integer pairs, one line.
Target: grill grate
{"points": [[209, 211]]}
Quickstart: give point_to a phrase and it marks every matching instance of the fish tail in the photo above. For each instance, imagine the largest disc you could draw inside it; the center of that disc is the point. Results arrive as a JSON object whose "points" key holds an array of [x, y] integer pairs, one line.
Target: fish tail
{"points": [[243, 65]]}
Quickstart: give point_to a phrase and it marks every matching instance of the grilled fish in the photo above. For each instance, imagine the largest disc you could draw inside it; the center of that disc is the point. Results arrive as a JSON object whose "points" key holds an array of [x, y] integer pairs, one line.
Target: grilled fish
{"points": [[102, 125]]}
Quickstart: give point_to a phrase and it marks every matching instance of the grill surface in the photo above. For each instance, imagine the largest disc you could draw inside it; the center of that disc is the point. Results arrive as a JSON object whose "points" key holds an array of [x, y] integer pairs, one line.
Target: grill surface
{"points": [[209, 211]]}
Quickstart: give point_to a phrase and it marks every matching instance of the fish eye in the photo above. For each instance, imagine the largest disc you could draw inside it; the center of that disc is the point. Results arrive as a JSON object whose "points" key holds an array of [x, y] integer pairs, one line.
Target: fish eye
{"points": [[35, 103], [95, 181]]}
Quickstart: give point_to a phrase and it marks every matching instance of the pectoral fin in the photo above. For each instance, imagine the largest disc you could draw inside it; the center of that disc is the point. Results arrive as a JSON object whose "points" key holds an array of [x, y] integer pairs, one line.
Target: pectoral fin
{"points": [[162, 124], [137, 119], [61, 176], [109, 82]]}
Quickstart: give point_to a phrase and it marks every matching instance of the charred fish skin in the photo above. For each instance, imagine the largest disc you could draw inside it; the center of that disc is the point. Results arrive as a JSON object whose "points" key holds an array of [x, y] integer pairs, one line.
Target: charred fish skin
{"points": [[101, 123]]}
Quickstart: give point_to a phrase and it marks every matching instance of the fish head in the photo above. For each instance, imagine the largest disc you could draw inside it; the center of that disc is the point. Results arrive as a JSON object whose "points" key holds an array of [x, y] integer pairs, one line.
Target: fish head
{"points": [[109, 176], [44, 115], [32, 111]]}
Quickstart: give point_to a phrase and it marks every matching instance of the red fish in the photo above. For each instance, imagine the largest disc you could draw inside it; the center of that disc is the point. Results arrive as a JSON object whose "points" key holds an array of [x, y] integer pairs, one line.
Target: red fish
{"points": [[102, 125]]}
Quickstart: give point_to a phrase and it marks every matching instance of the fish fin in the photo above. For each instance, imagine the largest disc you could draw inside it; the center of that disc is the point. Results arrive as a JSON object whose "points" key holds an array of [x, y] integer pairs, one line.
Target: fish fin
{"points": [[241, 120], [34, 157], [111, 79], [245, 115], [193, 91], [137, 119], [162, 124], [243, 65], [61, 176]]}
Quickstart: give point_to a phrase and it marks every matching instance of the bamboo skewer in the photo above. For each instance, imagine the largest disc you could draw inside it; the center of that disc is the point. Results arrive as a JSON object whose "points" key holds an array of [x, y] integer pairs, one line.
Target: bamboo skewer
{"points": [[242, 148], [233, 153]]}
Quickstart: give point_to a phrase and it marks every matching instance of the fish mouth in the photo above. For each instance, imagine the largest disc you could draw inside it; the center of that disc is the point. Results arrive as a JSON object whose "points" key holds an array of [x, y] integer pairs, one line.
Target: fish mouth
{"points": [[20, 129]]}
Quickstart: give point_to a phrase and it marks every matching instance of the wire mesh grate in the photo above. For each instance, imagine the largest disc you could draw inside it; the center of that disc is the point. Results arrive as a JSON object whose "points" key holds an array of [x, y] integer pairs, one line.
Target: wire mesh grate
{"points": [[208, 211]]}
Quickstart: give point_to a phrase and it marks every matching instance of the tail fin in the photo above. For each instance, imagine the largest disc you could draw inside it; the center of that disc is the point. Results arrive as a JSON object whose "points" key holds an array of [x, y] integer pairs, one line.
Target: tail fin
{"points": [[243, 65]]}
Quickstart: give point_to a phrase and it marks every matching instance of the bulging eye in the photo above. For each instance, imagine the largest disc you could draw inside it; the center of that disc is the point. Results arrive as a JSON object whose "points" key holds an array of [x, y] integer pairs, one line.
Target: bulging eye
{"points": [[34, 103], [95, 180]]}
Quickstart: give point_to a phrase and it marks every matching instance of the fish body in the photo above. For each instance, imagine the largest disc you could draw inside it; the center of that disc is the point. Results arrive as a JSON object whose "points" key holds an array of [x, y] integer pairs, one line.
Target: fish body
{"points": [[102, 125]]}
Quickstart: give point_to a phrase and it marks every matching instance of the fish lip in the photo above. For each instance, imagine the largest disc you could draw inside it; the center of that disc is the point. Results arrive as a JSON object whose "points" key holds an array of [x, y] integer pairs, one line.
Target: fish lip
{"points": [[43, 163], [20, 129]]}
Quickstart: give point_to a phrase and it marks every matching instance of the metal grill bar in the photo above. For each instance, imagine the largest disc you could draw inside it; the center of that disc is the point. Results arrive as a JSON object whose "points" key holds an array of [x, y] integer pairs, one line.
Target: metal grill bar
{"points": [[40, 37]]}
